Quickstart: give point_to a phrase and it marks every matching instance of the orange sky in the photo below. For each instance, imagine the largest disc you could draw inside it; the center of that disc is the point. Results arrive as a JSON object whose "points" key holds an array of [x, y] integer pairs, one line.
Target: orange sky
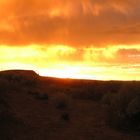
{"points": [[90, 39]]}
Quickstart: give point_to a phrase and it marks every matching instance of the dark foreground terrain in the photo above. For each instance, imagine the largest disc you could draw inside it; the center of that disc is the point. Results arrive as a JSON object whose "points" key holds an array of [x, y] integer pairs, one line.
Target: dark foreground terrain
{"points": [[39, 108]]}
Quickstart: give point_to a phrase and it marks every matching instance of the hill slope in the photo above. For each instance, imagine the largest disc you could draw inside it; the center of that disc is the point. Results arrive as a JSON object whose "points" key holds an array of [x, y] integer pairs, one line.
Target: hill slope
{"points": [[39, 108]]}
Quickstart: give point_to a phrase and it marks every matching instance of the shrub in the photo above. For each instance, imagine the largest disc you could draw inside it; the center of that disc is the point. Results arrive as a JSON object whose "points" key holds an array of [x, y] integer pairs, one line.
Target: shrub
{"points": [[124, 109], [42, 96], [4, 86], [65, 116], [94, 93], [39, 95], [61, 105], [9, 125], [133, 112], [107, 98], [61, 100]]}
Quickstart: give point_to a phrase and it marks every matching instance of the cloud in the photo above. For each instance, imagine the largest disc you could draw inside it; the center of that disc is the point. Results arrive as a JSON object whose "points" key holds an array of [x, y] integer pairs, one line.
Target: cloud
{"points": [[131, 56], [129, 52], [111, 62], [75, 22]]}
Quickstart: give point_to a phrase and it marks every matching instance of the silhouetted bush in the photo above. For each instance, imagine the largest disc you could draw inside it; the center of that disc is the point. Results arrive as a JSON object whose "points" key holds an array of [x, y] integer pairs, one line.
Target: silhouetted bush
{"points": [[107, 98], [4, 86], [39, 95], [133, 113], [124, 107], [87, 94], [42, 96], [61, 105], [61, 100], [65, 116], [9, 125], [9, 122], [24, 77]]}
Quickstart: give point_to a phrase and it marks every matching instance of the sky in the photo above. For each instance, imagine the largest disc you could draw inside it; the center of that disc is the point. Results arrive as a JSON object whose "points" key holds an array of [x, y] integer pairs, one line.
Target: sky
{"points": [[86, 39]]}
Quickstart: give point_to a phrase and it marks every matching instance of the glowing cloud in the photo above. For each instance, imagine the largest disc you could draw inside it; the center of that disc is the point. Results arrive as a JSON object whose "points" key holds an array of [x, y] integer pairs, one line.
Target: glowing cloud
{"points": [[112, 62], [79, 38]]}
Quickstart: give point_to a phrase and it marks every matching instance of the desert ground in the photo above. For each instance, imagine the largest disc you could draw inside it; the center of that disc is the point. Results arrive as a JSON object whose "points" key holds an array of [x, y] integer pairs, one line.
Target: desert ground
{"points": [[44, 108]]}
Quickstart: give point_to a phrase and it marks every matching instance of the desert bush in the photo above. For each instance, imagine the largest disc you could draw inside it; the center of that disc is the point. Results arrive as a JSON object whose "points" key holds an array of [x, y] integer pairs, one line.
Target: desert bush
{"points": [[8, 86], [79, 93], [61, 100], [65, 116], [39, 95], [4, 86], [134, 106], [125, 107], [9, 125], [133, 113], [61, 105], [6, 117], [107, 98], [42, 96], [8, 121], [23, 77], [87, 94]]}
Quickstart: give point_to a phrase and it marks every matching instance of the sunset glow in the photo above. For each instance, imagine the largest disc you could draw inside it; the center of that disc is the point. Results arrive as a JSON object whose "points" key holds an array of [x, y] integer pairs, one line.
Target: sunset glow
{"points": [[64, 61], [84, 39]]}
